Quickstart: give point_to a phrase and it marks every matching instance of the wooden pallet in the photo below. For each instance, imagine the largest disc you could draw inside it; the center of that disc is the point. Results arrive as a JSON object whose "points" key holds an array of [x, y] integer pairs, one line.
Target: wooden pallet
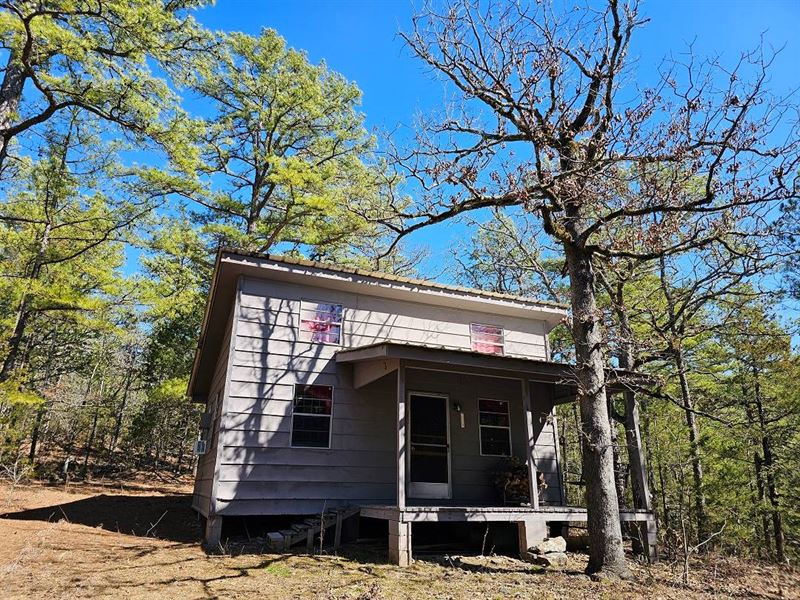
{"points": [[310, 529]]}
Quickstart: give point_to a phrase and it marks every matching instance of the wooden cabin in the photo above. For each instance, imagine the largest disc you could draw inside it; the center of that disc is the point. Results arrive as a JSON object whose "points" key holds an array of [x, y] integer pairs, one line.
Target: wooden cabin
{"points": [[330, 386]]}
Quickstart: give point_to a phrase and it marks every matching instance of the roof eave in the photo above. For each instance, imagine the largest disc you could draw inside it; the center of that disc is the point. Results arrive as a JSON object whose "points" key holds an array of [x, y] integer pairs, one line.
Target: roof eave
{"points": [[204, 326], [432, 292], [620, 380], [396, 279]]}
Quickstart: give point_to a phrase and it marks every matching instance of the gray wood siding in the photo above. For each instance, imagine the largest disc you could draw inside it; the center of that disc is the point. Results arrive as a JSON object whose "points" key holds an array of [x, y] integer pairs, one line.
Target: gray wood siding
{"points": [[204, 475], [471, 473], [270, 311], [259, 473]]}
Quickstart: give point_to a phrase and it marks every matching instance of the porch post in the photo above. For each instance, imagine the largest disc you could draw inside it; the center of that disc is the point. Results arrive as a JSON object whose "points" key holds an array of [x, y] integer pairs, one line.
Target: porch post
{"points": [[400, 543], [641, 491], [401, 437], [645, 532], [649, 533], [213, 533], [533, 481], [530, 532]]}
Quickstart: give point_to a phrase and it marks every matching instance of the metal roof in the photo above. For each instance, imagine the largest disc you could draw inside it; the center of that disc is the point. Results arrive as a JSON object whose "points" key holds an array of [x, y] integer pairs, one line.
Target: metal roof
{"points": [[290, 260]]}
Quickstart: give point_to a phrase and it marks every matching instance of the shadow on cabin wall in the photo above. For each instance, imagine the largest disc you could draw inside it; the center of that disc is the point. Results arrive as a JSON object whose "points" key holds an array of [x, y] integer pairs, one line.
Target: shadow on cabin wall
{"points": [[260, 470]]}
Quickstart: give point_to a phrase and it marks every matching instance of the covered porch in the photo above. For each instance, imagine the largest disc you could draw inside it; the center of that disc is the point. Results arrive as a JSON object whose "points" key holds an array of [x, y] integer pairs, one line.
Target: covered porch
{"points": [[454, 410]]}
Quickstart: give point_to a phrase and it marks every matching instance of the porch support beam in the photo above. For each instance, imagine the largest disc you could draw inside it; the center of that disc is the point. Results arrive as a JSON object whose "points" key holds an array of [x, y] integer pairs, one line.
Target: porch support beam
{"points": [[530, 532], [645, 533], [369, 371], [484, 514], [633, 439], [649, 537], [213, 534], [401, 437], [400, 543], [533, 479]]}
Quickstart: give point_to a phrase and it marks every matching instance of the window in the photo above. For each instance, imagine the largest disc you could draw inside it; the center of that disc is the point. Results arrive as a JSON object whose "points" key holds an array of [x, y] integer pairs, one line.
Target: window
{"points": [[311, 416], [209, 430], [486, 338], [320, 322], [495, 425]]}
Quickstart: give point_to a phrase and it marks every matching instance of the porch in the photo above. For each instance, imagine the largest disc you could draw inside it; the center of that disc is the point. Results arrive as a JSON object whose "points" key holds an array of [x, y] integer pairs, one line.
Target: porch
{"points": [[532, 523], [428, 488]]}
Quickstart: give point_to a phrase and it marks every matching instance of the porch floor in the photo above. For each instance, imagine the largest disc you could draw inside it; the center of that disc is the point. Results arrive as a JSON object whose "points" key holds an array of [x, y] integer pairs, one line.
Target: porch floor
{"points": [[531, 523], [418, 514]]}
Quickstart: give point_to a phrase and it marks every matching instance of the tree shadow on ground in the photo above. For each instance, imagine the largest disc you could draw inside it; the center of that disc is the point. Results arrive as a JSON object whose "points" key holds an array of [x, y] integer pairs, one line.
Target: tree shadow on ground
{"points": [[167, 517]]}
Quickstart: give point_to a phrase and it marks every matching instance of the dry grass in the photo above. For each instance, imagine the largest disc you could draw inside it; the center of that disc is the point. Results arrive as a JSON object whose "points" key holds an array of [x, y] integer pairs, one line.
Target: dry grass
{"points": [[89, 542]]}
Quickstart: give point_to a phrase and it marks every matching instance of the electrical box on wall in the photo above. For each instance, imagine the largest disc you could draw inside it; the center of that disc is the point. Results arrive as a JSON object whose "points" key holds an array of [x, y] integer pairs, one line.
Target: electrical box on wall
{"points": [[199, 447]]}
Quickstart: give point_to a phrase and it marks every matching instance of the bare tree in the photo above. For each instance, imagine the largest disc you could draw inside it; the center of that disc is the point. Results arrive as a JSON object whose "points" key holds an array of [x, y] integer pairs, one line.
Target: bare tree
{"points": [[545, 117]]}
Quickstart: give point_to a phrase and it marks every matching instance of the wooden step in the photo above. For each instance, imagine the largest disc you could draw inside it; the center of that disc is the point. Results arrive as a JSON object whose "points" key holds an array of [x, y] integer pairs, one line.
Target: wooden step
{"points": [[309, 530]]}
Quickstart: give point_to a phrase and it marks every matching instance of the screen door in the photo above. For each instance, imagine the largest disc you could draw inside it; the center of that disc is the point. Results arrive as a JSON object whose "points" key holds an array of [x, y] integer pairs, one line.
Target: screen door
{"points": [[429, 437]]}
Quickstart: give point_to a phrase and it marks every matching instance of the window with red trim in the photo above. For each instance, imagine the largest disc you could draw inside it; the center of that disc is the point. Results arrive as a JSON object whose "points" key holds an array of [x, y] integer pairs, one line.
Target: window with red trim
{"points": [[486, 338], [320, 322]]}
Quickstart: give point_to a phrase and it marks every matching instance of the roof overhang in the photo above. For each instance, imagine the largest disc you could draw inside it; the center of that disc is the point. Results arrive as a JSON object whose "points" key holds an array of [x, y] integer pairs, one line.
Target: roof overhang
{"points": [[351, 279], [473, 363], [221, 297]]}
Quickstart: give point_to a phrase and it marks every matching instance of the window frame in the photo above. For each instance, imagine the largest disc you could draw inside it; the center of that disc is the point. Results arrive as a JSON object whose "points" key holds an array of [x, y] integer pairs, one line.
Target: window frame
{"points": [[508, 428], [300, 322], [211, 436], [501, 345], [330, 417]]}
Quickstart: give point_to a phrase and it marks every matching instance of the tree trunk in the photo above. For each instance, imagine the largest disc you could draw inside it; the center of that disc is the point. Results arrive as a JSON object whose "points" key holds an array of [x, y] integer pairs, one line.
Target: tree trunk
{"points": [[50, 201], [21, 322], [23, 312], [576, 417], [758, 464], [769, 472], [10, 96], [606, 554], [90, 441], [666, 515], [37, 426], [636, 457], [120, 413], [564, 460], [633, 440], [93, 432], [759, 501], [701, 514], [185, 428], [619, 472], [647, 448]]}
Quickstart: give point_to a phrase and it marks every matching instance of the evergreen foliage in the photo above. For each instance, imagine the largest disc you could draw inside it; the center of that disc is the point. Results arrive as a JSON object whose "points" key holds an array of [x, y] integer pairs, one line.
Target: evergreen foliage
{"points": [[106, 261]]}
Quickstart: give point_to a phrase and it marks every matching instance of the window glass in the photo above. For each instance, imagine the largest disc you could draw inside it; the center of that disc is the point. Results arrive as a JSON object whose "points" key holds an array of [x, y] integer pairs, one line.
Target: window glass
{"points": [[320, 322], [311, 416], [495, 427], [486, 338]]}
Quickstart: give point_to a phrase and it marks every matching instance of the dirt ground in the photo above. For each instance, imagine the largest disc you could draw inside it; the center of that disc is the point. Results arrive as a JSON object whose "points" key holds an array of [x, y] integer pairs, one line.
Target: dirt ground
{"points": [[141, 541]]}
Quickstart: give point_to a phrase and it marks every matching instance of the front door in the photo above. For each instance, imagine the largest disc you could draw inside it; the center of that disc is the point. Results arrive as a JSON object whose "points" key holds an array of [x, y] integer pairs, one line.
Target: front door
{"points": [[429, 437]]}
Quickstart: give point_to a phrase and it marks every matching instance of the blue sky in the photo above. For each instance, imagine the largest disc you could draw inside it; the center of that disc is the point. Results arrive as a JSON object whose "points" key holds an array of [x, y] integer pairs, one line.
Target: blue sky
{"points": [[358, 38]]}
